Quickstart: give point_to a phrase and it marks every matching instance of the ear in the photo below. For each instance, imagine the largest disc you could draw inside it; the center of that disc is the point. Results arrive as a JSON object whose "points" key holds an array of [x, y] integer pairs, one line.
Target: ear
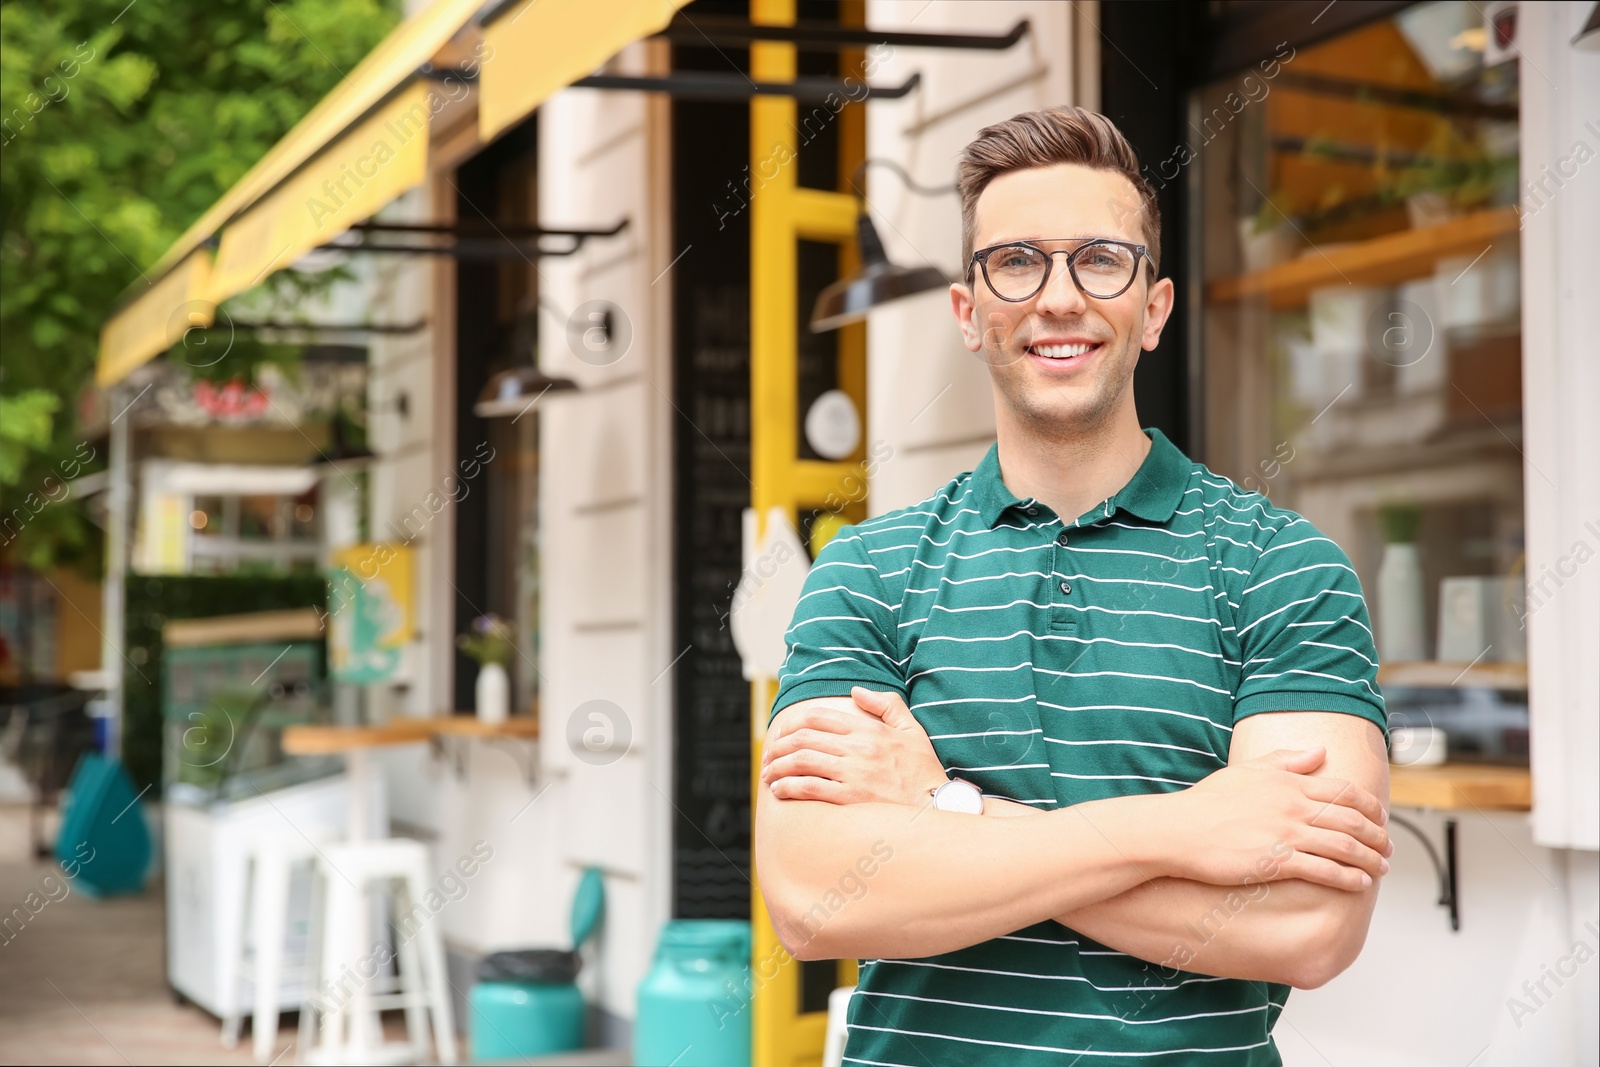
{"points": [[1157, 309], [966, 313]]}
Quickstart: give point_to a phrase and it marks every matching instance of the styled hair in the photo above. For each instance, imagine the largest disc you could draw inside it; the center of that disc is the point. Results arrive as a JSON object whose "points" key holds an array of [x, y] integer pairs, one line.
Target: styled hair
{"points": [[1044, 138]]}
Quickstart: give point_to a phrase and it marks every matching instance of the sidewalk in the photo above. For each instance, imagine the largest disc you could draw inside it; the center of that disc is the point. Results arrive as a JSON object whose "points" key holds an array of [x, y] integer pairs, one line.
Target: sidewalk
{"points": [[82, 983]]}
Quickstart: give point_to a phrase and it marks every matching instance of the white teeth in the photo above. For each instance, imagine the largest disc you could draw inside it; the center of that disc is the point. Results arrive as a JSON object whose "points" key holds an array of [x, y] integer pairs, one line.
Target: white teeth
{"points": [[1061, 351]]}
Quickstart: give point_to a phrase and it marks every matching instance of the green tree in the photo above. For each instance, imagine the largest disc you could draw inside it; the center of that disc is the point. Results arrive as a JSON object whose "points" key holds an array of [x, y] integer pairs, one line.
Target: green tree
{"points": [[121, 123]]}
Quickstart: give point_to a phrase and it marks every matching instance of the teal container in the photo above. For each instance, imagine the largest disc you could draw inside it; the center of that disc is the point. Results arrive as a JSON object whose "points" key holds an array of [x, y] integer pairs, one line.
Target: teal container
{"points": [[514, 1020], [694, 1005], [102, 852], [526, 1002]]}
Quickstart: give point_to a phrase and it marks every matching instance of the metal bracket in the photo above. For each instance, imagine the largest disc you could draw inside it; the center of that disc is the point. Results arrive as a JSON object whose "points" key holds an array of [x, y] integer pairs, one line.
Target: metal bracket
{"points": [[715, 30], [452, 748], [471, 241], [714, 85], [451, 751], [1444, 868]]}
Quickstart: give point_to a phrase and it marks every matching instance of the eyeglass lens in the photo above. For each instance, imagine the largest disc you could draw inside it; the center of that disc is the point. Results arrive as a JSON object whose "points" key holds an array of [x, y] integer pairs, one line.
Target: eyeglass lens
{"points": [[1018, 271]]}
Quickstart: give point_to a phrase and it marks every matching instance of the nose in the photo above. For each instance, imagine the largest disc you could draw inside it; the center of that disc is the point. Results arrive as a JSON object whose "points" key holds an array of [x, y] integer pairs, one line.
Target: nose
{"points": [[1060, 296]]}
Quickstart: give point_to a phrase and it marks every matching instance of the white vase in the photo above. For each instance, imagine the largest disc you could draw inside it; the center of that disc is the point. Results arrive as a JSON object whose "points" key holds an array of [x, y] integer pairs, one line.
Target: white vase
{"points": [[493, 694], [1400, 619]]}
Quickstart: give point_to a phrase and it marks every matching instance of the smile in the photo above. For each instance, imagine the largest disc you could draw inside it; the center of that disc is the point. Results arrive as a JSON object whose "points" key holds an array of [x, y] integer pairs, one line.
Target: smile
{"points": [[1062, 352]]}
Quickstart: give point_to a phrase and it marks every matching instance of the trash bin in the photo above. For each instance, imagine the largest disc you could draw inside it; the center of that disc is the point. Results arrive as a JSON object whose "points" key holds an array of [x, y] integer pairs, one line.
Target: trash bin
{"points": [[526, 1001], [694, 1005]]}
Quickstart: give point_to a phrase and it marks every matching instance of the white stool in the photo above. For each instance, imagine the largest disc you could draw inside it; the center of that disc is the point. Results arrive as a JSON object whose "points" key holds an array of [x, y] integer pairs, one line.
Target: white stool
{"points": [[353, 985], [833, 1040], [270, 863]]}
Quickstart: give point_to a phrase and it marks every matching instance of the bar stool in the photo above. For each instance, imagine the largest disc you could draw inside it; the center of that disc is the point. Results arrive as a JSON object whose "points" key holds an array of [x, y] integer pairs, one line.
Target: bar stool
{"points": [[259, 939], [339, 1023]]}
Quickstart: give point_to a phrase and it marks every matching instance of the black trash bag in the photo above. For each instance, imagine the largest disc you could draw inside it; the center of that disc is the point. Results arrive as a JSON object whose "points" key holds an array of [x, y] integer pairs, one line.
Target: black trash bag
{"points": [[543, 966]]}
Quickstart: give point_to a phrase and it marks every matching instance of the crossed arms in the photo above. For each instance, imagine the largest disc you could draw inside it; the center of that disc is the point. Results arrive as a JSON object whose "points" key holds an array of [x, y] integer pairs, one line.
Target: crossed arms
{"points": [[1265, 870]]}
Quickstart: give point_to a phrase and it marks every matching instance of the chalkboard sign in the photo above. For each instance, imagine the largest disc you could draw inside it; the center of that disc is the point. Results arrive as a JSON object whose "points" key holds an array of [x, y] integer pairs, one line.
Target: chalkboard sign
{"points": [[711, 300]]}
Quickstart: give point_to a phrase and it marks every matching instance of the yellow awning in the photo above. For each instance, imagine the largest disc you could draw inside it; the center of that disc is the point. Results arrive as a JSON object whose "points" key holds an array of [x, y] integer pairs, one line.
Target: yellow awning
{"points": [[158, 319], [375, 162], [325, 133], [362, 146], [545, 45]]}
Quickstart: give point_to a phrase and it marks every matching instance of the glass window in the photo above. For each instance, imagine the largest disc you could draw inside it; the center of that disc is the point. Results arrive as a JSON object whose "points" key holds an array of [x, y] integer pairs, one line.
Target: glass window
{"points": [[1361, 331], [259, 518]]}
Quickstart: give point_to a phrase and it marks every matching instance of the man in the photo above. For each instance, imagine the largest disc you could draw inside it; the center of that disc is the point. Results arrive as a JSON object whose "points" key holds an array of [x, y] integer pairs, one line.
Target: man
{"points": [[1170, 678]]}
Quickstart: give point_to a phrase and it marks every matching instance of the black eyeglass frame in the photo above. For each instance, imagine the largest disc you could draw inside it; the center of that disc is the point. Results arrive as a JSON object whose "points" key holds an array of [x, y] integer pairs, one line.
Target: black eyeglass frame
{"points": [[980, 258]]}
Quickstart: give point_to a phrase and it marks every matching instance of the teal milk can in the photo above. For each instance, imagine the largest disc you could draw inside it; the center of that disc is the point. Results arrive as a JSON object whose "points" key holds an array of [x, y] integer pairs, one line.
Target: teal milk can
{"points": [[694, 1005]]}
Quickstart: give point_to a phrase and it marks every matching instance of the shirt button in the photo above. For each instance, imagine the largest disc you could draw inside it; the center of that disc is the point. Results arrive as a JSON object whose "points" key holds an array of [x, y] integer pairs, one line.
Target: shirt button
{"points": [[1033, 511], [1066, 587], [1061, 539]]}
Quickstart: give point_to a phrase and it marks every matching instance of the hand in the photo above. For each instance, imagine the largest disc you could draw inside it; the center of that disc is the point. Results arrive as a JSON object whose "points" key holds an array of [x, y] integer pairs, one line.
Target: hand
{"points": [[1267, 820], [876, 752]]}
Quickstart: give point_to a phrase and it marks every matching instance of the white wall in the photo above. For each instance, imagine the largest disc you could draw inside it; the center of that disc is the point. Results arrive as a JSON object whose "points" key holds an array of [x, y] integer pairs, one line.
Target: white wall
{"points": [[1422, 995], [929, 398], [605, 502], [1561, 379]]}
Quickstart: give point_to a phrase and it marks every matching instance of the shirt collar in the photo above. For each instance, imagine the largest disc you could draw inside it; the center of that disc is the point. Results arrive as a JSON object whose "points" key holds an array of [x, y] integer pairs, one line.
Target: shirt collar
{"points": [[1153, 492]]}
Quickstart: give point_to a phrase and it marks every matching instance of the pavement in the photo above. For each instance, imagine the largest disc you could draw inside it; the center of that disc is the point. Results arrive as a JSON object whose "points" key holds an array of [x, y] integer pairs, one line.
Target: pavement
{"points": [[83, 982]]}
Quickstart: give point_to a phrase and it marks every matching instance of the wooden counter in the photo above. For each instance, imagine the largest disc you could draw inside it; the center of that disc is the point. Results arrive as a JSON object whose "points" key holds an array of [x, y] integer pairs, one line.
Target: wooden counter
{"points": [[321, 739], [1461, 786]]}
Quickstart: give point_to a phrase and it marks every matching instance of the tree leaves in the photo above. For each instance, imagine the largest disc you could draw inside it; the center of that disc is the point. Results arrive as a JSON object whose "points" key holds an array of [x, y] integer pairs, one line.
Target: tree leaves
{"points": [[121, 126]]}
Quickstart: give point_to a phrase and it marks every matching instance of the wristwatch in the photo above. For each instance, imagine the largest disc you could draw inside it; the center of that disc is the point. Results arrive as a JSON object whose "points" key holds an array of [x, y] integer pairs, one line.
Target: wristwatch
{"points": [[958, 795]]}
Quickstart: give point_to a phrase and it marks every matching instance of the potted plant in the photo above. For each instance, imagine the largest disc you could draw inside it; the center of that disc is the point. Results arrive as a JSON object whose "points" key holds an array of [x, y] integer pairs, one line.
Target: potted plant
{"points": [[1267, 237], [1451, 175], [492, 643]]}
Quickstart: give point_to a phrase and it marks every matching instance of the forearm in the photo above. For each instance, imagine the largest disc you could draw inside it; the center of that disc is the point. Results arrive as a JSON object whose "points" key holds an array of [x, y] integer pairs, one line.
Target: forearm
{"points": [[1286, 931], [871, 880], [1290, 931]]}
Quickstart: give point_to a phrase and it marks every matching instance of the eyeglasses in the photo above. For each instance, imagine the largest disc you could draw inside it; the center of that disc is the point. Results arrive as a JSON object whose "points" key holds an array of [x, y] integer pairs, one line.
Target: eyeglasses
{"points": [[1019, 271]]}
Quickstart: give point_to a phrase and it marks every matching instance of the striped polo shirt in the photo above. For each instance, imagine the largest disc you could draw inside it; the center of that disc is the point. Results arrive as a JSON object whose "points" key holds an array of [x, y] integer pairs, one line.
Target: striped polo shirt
{"points": [[1055, 661]]}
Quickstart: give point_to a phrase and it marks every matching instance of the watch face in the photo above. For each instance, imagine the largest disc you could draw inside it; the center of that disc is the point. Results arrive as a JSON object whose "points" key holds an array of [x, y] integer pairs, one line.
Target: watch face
{"points": [[958, 796]]}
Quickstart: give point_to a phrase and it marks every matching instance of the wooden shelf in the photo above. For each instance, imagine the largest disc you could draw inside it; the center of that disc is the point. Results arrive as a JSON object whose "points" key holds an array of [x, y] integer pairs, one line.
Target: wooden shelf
{"points": [[1441, 675], [298, 624], [1386, 260], [521, 727], [318, 739], [1457, 786]]}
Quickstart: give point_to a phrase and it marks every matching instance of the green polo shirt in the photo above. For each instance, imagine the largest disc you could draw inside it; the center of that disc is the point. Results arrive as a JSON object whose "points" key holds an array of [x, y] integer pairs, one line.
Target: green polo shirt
{"points": [[1054, 662]]}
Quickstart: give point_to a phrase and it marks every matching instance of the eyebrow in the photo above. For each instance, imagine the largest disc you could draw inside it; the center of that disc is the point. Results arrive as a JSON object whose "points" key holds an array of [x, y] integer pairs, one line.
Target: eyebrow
{"points": [[1078, 237], [1050, 240]]}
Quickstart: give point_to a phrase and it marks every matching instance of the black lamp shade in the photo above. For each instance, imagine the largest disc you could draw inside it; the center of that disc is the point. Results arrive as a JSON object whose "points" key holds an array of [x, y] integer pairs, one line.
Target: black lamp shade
{"points": [[511, 392], [876, 283]]}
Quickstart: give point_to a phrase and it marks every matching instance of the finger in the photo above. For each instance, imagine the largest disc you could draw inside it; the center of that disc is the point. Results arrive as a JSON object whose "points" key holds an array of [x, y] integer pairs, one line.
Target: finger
{"points": [[1342, 848], [1320, 871], [1346, 794], [803, 738], [1352, 822], [886, 705], [802, 788], [1300, 761], [805, 763]]}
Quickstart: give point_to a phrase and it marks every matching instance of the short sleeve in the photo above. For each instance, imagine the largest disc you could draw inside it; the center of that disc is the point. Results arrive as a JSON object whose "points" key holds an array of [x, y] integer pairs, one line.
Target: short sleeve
{"points": [[843, 631], [1304, 634]]}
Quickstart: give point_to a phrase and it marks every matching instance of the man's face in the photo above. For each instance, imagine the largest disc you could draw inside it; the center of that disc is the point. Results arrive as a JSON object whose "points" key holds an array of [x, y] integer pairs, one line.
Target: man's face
{"points": [[1061, 361]]}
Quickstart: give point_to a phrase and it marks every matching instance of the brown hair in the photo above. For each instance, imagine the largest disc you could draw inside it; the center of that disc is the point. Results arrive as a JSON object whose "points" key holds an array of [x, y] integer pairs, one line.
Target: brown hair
{"points": [[1043, 138]]}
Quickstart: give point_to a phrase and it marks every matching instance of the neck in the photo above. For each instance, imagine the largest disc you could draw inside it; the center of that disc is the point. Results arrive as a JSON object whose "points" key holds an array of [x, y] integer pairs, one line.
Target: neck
{"points": [[1071, 472]]}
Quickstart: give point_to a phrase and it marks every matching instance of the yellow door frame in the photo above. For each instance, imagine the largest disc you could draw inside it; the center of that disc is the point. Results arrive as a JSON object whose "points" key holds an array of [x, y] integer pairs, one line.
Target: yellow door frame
{"points": [[782, 213]]}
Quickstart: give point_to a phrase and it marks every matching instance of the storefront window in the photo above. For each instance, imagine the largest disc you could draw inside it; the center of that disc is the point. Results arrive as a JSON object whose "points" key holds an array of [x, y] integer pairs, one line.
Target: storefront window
{"points": [[1362, 340]]}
